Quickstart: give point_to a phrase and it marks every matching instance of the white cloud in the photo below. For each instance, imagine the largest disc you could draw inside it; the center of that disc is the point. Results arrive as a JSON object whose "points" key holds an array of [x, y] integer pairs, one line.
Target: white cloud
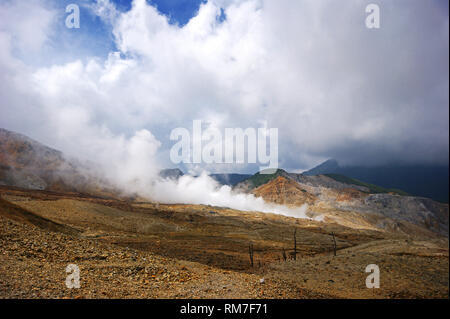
{"points": [[28, 23], [310, 68]]}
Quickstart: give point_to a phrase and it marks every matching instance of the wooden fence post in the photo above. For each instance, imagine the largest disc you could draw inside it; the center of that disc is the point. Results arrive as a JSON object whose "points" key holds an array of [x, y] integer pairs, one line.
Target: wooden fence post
{"points": [[334, 244], [295, 243], [250, 252]]}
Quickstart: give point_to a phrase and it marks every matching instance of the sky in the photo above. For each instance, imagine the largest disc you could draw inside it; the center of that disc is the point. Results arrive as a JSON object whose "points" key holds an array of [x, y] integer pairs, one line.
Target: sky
{"points": [[114, 89]]}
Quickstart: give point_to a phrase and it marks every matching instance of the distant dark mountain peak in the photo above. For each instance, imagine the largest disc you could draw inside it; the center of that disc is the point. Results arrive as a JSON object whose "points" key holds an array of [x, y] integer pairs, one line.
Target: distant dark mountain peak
{"points": [[430, 181], [329, 166], [171, 173], [229, 179]]}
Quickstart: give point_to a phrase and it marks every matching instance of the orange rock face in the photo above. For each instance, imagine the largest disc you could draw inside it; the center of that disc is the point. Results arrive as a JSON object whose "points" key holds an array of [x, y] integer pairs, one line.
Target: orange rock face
{"points": [[284, 191]]}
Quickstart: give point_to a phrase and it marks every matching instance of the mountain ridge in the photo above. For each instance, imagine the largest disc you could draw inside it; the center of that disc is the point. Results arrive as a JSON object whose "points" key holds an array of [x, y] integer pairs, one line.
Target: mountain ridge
{"points": [[28, 164], [419, 180], [350, 202]]}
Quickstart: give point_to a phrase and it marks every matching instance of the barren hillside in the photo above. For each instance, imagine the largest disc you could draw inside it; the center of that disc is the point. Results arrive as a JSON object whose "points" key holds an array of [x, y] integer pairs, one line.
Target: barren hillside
{"points": [[52, 216], [143, 250]]}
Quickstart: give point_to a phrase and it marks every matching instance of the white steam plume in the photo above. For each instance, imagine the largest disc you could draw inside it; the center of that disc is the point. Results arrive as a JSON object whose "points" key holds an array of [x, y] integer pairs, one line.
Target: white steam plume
{"points": [[205, 190], [131, 166]]}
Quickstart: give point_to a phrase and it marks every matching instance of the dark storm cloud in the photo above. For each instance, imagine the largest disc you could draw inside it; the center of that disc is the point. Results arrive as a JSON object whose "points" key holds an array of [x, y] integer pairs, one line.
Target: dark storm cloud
{"points": [[312, 69]]}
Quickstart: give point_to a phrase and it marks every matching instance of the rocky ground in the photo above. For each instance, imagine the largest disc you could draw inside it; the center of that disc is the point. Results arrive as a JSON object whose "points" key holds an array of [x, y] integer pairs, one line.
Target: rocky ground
{"points": [[144, 250], [33, 264]]}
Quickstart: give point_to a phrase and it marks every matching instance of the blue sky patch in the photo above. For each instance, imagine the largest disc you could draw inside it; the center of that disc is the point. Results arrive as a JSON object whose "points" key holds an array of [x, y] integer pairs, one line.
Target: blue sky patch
{"points": [[178, 11]]}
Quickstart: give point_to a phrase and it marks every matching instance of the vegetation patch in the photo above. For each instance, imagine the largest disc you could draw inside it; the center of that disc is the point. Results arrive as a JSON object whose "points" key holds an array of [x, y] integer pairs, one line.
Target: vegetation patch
{"points": [[372, 188]]}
